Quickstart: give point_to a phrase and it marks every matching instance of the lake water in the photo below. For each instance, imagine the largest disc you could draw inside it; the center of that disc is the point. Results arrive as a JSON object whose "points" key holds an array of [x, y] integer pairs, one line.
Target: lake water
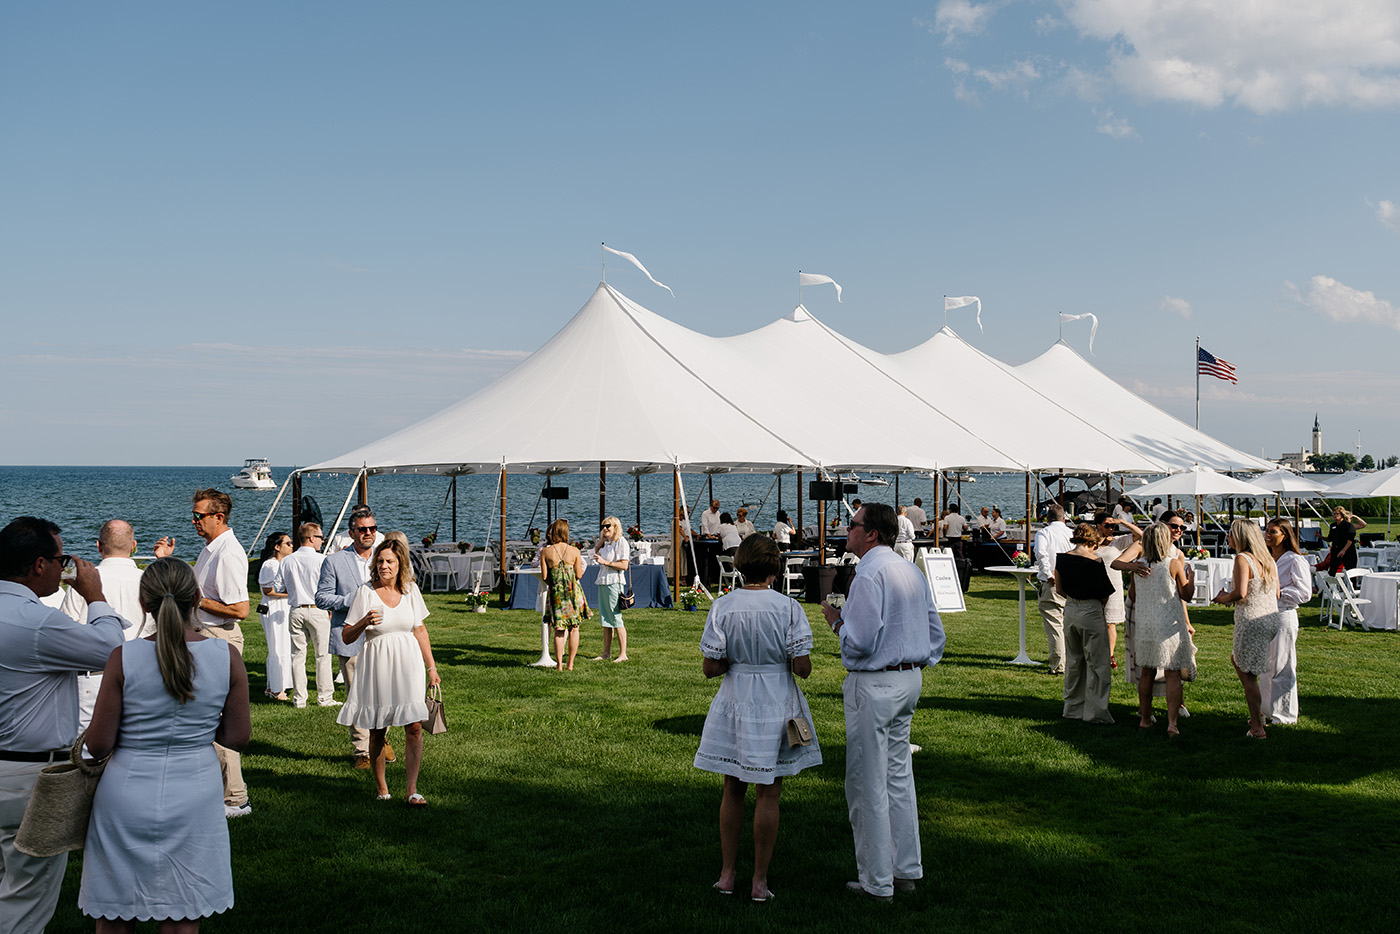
{"points": [[156, 501]]}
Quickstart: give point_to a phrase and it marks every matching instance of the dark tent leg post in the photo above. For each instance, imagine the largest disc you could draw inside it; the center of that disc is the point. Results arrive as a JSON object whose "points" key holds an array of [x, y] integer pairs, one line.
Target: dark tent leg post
{"points": [[676, 533], [1028, 512], [799, 502], [364, 489], [296, 505], [639, 501], [602, 492], [502, 576], [454, 507]]}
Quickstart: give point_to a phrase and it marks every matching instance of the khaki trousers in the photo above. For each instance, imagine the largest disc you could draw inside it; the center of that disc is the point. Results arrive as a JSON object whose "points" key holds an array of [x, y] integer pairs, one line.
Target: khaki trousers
{"points": [[1052, 612], [309, 625], [359, 736], [230, 762]]}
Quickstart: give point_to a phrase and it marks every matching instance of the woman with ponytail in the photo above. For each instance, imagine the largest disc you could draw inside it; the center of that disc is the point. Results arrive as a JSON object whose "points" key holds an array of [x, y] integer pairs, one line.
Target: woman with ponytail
{"points": [[157, 844]]}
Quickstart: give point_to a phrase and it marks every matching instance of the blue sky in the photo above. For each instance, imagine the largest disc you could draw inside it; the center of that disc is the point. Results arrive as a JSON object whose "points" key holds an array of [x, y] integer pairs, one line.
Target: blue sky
{"points": [[286, 229]]}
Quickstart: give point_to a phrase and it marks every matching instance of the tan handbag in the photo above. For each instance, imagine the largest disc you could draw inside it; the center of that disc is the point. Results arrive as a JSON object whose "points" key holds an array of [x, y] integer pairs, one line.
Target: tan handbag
{"points": [[799, 731], [436, 721], [56, 819]]}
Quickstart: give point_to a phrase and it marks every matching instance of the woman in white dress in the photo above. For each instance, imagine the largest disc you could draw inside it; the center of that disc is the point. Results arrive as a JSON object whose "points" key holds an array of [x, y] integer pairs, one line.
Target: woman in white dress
{"points": [[157, 843], [273, 612], [1161, 631], [1278, 686], [1255, 598], [783, 531], [758, 640], [389, 688], [612, 555]]}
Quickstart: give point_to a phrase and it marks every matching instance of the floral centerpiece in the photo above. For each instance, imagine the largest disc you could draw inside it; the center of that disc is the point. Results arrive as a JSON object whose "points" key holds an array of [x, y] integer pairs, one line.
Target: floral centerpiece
{"points": [[477, 600], [429, 539], [464, 547], [534, 536], [1195, 554], [634, 533], [690, 598], [1021, 560]]}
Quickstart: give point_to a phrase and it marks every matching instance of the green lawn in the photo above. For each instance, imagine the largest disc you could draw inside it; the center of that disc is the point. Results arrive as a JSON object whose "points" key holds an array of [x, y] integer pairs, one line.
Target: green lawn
{"points": [[567, 802]]}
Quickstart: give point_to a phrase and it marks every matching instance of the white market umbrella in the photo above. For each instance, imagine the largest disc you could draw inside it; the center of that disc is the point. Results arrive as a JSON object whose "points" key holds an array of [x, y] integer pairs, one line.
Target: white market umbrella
{"points": [[1381, 483], [1282, 481], [1198, 481]]}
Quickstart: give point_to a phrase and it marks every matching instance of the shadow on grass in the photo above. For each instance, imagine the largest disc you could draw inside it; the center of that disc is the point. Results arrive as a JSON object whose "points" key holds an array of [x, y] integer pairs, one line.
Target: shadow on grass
{"points": [[691, 725]]}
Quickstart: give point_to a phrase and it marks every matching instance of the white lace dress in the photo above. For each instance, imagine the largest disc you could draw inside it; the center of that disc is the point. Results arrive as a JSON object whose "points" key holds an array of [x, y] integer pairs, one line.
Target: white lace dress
{"points": [[1256, 623], [745, 731], [1160, 639], [390, 684]]}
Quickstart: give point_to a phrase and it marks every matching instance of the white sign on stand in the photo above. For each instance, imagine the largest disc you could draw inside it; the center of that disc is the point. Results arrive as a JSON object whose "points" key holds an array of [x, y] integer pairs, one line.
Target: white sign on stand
{"points": [[943, 582]]}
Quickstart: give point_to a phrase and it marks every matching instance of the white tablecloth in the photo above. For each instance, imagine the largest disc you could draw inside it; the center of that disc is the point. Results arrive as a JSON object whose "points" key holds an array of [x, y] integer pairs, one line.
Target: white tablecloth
{"points": [[1215, 572], [463, 568], [1381, 590]]}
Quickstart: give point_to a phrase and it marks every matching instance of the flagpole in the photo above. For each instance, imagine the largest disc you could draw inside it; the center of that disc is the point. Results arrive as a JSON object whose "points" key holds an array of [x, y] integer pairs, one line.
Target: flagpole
{"points": [[1198, 382], [945, 310], [799, 287], [603, 262]]}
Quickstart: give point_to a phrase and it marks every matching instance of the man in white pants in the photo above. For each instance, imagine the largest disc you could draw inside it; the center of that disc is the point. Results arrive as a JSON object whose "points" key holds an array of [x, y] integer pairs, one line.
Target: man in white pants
{"points": [[1050, 543], [889, 632], [307, 623]]}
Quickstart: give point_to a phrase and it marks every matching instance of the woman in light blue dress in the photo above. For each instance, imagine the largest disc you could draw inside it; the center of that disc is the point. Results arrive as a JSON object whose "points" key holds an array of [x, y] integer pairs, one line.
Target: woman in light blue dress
{"points": [[758, 640], [157, 844]]}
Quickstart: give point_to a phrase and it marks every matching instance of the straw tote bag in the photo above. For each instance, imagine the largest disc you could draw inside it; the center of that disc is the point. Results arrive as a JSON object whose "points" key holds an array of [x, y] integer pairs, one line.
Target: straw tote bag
{"points": [[799, 731], [56, 819]]}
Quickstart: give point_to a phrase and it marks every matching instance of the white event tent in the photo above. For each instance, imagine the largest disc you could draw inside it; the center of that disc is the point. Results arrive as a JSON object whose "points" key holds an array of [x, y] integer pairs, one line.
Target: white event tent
{"points": [[1062, 374], [696, 402]]}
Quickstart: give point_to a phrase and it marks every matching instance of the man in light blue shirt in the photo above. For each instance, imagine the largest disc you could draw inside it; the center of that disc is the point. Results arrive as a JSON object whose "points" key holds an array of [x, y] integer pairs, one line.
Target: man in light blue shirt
{"points": [[1051, 542], [889, 632], [42, 651]]}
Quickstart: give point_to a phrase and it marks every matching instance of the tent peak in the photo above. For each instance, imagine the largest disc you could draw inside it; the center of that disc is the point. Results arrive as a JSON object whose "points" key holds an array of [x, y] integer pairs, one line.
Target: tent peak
{"points": [[800, 313]]}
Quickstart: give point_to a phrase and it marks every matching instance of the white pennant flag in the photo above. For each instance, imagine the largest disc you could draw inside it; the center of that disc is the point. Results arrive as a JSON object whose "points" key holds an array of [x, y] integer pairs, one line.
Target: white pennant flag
{"points": [[961, 301], [1092, 331], [638, 263], [811, 278]]}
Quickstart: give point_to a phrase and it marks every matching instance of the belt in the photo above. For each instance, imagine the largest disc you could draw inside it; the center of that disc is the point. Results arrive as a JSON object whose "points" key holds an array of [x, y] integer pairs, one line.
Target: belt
{"points": [[306, 606], [32, 756], [906, 666]]}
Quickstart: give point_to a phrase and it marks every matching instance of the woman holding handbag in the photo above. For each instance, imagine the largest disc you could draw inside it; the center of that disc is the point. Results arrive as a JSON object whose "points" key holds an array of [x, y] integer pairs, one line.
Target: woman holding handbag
{"points": [[759, 640], [157, 843], [389, 685], [611, 555]]}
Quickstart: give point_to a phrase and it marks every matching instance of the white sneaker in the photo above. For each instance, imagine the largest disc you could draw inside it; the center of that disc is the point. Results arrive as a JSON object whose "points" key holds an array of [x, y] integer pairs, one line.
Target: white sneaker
{"points": [[340, 677], [329, 703], [299, 704], [241, 810], [915, 747]]}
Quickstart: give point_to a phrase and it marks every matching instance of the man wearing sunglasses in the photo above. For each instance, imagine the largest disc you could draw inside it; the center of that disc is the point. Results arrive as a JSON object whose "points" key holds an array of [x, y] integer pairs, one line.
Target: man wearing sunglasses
{"points": [[222, 573], [342, 574], [42, 651], [309, 625], [889, 631]]}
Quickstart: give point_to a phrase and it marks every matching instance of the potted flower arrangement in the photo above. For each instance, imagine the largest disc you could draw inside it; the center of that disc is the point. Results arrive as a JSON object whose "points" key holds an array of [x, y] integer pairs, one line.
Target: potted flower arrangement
{"points": [[464, 547], [1195, 554], [690, 599], [429, 539], [477, 600], [1021, 560], [534, 536], [634, 533]]}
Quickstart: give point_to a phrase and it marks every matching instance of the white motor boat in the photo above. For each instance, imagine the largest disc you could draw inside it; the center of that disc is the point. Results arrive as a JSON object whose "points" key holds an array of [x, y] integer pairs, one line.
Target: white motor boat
{"points": [[255, 475]]}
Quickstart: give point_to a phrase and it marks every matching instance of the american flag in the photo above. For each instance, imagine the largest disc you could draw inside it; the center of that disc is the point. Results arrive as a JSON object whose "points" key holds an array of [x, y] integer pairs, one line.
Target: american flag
{"points": [[1208, 364]]}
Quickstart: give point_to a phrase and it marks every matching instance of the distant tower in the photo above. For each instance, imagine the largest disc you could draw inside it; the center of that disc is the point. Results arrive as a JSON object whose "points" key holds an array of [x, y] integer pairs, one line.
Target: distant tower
{"points": [[1317, 436]]}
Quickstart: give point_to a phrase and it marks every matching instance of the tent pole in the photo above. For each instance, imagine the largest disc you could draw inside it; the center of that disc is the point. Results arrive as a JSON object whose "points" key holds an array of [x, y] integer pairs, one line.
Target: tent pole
{"points": [[821, 530], [937, 506], [799, 502], [454, 507], [296, 505], [710, 485], [602, 492], [639, 502], [364, 488], [1199, 510], [780, 491], [1028, 512], [675, 532], [896, 491], [502, 576]]}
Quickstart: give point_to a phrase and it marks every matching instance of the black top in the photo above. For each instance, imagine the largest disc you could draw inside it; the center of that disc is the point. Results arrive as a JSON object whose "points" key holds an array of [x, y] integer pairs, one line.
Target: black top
{"points": [[1083, 578], [1342, 532]]}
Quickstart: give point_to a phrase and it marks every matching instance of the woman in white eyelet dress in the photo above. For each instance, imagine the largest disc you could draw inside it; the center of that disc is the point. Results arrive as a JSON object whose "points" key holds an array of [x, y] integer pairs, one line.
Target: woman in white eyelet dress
{"points": [[758, 639]]}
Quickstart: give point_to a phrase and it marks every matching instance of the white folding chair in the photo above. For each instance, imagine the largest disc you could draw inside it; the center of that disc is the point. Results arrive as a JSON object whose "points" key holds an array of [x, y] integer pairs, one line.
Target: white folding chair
{"points": [[728, 577], [1368, 558], [1345, 604], [794, 578], [1200, 595], [439, 573], [481, 570]]}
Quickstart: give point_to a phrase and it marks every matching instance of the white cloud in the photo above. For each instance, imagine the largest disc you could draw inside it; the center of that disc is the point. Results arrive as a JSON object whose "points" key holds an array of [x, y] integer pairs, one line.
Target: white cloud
{"points": [[1263, 56], [1019, 76], [1388, 213], [1342, 303], [959, 17], [1117, 127], [1177, 306]]}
